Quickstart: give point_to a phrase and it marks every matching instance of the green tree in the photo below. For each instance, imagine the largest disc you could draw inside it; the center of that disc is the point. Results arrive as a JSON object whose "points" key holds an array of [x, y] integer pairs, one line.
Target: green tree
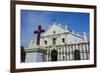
{"points": [[23, 54]]}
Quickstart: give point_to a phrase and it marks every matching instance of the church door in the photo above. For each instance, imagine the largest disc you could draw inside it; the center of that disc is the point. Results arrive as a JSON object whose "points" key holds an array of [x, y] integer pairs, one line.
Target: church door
{"points": [[54, 55], [76, 55]]}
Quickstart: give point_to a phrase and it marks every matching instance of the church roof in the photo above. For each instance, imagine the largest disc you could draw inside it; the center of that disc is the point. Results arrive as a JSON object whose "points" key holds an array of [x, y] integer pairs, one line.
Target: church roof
{"points": [[59, 25], [56, 27]]}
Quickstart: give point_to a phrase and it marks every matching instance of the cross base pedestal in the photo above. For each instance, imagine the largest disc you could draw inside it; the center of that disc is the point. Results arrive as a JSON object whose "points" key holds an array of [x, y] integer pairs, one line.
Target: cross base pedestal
{"points": [[35, 55]]}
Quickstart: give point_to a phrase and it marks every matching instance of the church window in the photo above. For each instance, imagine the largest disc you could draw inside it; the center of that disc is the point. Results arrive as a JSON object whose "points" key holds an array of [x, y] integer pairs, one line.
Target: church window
{"points": [[45, 42], [54, 41], [54, 32], [63, 40]]}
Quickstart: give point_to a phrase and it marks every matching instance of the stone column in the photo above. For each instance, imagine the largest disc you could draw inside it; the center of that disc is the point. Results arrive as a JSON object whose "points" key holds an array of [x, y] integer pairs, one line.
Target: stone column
{"points": [[71, 57], [84, 50], [47, 55], [67, 52], [81, 51], [61, 54], [64, 53], [58, 52]]}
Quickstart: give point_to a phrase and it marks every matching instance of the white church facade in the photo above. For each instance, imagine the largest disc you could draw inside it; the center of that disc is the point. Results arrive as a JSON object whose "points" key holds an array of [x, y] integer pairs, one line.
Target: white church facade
{"points": [[58, 43]]}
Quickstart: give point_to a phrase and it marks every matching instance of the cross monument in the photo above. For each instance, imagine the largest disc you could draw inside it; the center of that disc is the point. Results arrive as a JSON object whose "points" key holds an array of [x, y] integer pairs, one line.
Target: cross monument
{"points": [[37, 53], [38, 32]]}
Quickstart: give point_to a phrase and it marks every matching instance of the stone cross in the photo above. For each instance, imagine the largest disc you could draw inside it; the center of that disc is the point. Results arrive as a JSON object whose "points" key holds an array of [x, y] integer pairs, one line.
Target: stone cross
{"points": [[38, 32]]}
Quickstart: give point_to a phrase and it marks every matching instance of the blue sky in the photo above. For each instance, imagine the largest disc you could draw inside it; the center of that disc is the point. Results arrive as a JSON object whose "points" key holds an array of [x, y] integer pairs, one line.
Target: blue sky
{"points": [[30, 19]]}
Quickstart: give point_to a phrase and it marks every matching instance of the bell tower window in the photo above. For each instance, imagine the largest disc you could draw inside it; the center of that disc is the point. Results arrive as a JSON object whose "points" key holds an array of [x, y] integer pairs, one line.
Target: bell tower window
{"points": [[45, 42], [54, 32], [54, 41], [63, 40]]}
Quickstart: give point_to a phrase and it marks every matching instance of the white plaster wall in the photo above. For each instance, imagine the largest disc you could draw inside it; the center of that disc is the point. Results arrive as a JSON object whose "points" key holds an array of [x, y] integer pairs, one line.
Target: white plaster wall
{"points": [[59, 34], [34, 57], [71, 39]]}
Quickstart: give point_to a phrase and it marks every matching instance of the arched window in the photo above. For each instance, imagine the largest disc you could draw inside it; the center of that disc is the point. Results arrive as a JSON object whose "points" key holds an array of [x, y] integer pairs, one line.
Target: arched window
{"points": [[45, 42], [54, 41], [63, 40]]}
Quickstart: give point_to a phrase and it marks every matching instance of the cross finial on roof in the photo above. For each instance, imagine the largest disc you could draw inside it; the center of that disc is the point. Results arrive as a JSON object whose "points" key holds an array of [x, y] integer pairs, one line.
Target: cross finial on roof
{"points": [[55, 21]]}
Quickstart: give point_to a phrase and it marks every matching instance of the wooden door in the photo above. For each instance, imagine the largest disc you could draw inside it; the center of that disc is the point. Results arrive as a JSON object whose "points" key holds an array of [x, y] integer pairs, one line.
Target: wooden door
{"points": [[76, 55], [54, 55]]}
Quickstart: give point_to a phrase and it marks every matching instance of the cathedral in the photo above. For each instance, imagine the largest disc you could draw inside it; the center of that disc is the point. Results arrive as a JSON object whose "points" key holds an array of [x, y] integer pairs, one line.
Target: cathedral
{"points": [[57, 43]]}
